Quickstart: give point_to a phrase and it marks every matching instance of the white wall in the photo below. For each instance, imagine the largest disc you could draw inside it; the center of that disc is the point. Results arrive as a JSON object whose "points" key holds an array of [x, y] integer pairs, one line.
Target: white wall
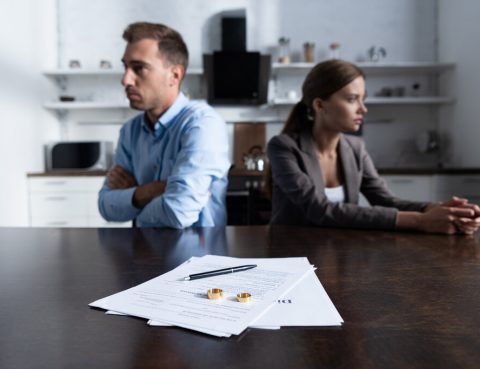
{"points": [[459, 28], [26, 35], [91, 30]]}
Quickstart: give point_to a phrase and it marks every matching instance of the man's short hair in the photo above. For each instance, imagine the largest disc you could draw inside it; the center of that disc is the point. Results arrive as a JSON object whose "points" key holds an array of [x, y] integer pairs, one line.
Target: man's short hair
{"points": [[170, 42]]}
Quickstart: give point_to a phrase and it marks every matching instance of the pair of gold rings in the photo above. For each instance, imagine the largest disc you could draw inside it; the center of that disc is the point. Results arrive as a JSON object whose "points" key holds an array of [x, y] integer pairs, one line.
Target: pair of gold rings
{"points": [[217, 294]]}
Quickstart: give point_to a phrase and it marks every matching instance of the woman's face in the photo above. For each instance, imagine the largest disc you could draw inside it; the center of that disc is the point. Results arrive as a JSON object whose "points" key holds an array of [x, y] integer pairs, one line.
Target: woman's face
{"points": [[344, 110]]}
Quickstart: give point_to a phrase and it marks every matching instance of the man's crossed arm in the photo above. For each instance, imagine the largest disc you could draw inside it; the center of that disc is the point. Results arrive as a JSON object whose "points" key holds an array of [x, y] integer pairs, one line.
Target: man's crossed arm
{"points": [[119, 178]]}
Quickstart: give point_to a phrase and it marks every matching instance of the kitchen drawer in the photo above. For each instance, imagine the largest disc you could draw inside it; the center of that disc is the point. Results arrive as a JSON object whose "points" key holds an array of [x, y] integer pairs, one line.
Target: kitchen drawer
{"points": [[413, 188], [53, 221], [96, 220], [458, 185], [92, 205], [99, 222], [59, 204], [65, 184]]}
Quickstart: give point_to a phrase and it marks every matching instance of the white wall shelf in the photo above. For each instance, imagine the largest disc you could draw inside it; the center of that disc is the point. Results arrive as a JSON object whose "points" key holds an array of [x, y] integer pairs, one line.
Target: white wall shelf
{"points": [[381, 68], [100, 72], [410, 100], [278, 71], [85, 105], [407, 100], [377, 68], [420, 100], [403, 74]]}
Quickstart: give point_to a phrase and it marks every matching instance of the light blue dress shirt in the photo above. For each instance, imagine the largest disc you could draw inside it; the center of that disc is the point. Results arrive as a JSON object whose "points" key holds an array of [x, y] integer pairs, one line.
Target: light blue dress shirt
{"points": [[188, 148]]}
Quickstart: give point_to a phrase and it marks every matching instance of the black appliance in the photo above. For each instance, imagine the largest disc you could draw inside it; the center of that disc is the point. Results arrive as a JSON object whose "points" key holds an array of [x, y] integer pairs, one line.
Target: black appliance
{"points": [[234, 34], [247, 202], [237, 78], [95, 155]]}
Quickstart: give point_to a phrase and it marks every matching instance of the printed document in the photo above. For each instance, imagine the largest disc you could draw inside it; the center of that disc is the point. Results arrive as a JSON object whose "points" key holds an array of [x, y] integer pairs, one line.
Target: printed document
{"points": [[307, 304], [170, 299]]}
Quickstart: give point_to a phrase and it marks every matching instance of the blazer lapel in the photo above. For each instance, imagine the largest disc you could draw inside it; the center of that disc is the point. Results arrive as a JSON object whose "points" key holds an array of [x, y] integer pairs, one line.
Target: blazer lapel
{"points": [[311, 164], [350, 171]]}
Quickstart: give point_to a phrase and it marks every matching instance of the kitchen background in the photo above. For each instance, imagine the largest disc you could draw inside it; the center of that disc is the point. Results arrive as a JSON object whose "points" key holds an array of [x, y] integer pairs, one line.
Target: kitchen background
{"points": [[37, 38]]}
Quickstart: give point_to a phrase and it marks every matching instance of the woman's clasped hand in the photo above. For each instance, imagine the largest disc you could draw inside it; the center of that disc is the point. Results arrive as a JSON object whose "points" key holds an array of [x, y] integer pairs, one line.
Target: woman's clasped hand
{"points": [[454, 216]]}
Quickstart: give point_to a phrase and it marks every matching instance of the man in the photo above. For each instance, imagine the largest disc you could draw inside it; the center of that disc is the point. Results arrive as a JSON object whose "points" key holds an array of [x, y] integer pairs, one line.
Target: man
{"points": [[171, 161]]}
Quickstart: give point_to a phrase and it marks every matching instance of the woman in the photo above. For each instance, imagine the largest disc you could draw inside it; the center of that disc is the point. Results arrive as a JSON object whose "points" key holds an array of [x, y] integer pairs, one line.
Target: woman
{"points": [[318, 172]]}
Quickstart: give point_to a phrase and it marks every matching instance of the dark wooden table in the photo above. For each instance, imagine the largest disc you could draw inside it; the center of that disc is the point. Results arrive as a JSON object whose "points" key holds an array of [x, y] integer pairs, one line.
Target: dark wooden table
{"points": [[408, 300]]}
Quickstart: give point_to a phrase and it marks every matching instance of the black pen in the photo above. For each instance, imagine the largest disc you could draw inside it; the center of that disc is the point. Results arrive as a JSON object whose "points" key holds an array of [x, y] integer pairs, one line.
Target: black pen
{"points": [[212, 273]]}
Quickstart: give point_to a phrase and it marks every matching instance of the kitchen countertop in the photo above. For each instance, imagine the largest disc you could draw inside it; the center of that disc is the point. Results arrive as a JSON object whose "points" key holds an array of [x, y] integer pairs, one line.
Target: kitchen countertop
{"points": [[428, 171], [243, 172], [69, 173]]}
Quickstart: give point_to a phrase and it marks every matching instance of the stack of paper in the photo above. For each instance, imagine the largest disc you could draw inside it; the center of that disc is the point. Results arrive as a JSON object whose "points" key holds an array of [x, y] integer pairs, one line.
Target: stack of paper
{"points": [[285, 292]]}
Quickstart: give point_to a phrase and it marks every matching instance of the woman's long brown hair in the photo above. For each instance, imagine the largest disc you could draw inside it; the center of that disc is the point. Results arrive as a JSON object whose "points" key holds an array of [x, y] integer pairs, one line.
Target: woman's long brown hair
{"points": [[323, 80]]}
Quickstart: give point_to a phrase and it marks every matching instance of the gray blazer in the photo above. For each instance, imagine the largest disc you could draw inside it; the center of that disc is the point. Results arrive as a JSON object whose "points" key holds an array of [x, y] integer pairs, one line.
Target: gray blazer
{"points": [[298, 195]]}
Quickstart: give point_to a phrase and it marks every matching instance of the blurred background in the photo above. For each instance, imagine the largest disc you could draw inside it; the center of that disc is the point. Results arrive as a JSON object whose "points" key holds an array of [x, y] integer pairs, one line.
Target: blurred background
{"points": [[60, 82]]}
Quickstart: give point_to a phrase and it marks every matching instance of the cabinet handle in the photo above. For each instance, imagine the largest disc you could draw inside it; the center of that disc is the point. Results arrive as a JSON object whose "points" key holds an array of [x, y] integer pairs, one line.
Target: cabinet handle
{"points": [[237, 193], [55, 183], [55, 198], [57, 223]]}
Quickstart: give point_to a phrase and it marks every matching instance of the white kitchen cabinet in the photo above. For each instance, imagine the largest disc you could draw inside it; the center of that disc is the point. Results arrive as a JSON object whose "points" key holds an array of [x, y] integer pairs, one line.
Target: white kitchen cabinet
{"points": [[408, 187], [66, 201], [465, 185], [435, 187], [411, 187]]}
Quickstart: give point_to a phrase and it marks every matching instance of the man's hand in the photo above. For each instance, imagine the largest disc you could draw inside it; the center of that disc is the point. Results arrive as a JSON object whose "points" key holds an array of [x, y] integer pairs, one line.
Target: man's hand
{"points": [[147, 192], [118, 178]]}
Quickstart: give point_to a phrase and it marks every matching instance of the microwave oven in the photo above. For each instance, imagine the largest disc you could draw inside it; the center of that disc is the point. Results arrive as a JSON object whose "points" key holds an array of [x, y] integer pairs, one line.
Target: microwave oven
{"points": [[86, 155]]}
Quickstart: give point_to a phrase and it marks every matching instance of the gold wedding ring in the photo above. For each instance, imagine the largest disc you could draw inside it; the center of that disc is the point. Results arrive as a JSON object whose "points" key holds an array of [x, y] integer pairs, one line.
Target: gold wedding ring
{"points": [[215, 293], [244, 297]]}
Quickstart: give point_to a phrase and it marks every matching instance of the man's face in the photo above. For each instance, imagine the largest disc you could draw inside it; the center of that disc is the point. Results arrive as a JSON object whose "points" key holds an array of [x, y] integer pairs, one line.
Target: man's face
{"points": [[150, 82]]}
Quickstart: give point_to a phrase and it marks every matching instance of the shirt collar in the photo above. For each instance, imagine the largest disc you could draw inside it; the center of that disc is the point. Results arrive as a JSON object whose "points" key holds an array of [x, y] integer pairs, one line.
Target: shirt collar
{"points": [[169, 115]]}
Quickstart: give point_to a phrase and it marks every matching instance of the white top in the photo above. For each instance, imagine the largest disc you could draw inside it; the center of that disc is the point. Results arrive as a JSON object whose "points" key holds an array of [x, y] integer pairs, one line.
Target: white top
{"points": [[335, 194]]}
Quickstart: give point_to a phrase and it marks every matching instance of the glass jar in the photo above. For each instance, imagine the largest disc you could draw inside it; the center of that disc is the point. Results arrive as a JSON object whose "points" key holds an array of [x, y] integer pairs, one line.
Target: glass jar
{"points": [[284, 50], [309, 52], [334, 50]]}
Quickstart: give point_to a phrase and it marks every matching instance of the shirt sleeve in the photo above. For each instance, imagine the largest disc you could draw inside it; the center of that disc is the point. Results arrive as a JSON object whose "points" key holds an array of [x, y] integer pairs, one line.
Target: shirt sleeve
{"points": [[116, 205], [203, 157], [301, 190]]}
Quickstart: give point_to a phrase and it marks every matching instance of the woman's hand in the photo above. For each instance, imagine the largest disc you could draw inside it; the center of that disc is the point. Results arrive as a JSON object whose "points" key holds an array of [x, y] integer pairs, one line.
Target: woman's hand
{"points": [[440, 219], [466, 225], [456, 202], [448, 219]]}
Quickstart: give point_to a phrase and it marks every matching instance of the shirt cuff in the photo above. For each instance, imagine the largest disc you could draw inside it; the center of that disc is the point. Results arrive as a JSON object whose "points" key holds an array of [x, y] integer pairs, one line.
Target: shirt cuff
{"points": [[121, 206]]}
